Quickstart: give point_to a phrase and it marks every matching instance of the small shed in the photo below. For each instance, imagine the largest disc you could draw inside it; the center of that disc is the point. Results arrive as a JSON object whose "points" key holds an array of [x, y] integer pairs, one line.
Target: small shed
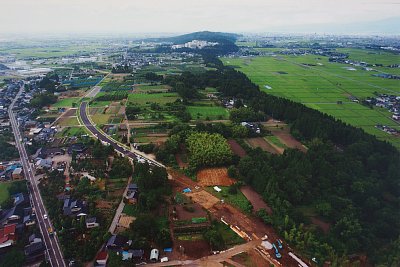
{"points": [[154, 255], [216, 188]]}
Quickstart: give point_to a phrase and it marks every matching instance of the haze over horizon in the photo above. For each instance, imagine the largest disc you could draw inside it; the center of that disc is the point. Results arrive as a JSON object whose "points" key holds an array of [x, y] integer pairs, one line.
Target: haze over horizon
{"points": [[177, 16]]}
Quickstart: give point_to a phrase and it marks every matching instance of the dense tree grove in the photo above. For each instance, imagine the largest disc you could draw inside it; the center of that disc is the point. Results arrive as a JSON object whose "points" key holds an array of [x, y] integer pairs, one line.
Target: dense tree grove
{"points": [[42, 100], [147, 228], [208, 150], [132, 111], [245, 114], [348, 177], [121, 168]]}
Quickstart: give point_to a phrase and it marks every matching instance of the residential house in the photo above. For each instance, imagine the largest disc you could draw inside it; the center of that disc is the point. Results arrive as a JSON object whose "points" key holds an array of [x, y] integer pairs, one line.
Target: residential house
{"points": [[118, 242], [42, 164], [73, 207], [35, 250], [132, 194], [8, 236], [77, 148], [17, 174], [102, 258]]}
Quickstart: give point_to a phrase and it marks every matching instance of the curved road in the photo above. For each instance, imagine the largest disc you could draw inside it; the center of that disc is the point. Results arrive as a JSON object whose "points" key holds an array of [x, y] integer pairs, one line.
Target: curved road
{"points": [[107, 139], [53, 250]]}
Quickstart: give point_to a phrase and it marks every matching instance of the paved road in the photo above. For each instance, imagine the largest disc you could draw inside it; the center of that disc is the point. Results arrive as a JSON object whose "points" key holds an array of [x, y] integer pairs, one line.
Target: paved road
{"points": [[54, 253], [133, 155]]}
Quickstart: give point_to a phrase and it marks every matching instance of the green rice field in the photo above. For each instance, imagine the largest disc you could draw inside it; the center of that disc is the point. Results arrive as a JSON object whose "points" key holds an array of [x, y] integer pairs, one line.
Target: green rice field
{"points": [[143, 99], [322, 85], [205, 111]]}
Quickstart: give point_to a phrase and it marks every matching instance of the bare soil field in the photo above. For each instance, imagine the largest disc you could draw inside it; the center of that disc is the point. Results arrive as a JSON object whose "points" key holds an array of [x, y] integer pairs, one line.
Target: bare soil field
{"points": [[193, 249], [183, 214], [236, 148], [261, 143], [204, 198], [102, 204], [214, 176], [70, 112], [255, 199]]}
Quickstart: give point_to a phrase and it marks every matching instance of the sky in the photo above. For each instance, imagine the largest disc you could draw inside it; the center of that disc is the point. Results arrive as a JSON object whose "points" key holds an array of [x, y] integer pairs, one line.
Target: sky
{"points": [[179, 16]]}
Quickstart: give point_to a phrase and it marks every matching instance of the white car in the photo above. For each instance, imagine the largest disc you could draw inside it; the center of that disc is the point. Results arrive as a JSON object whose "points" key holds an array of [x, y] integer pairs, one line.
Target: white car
{"points": [[45, 216]]}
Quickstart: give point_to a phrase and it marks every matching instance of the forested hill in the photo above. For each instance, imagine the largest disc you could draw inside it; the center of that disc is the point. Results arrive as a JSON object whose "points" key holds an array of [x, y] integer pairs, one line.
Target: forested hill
{"points": [[226, 42], [220, 37]]}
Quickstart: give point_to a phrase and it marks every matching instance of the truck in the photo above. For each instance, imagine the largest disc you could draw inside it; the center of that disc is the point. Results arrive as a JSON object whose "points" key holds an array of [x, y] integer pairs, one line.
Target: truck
{"points": [[50, 231]]}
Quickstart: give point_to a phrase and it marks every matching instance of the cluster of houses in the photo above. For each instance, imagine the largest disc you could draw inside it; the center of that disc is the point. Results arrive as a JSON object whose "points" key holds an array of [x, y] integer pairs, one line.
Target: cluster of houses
{"points": [[121, 245], [390, 102], [388, 129], [11, 171], [17, 221]]}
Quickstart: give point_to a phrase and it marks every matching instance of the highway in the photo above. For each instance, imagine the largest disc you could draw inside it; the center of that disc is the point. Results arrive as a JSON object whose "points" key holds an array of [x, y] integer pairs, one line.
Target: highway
{"points": [[134, 155], [53, 250]]}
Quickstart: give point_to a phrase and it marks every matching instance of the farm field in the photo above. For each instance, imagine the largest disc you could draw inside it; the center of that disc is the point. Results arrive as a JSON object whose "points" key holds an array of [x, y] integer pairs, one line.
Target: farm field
{"points": [[68, 121], [323, 85], [144, 99], [72, 131]]}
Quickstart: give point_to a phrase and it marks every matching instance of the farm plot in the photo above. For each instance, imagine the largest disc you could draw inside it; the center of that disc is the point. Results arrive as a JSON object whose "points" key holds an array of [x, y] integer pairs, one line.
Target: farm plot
{"points": [[264, 145], [68, 121], [236, 148], [203, 198], [255, 199], [143, 88], [214, 176], [209, 112]]}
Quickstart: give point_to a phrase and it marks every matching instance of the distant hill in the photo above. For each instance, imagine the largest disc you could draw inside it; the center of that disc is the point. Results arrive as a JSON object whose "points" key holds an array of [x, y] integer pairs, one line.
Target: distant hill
{"points": [[220, 37], [226, 42]]}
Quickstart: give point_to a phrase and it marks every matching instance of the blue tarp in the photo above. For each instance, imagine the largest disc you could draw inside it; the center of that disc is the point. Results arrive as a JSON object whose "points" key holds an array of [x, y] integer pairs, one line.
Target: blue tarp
{"points": [[167, 249], [187, 190]]}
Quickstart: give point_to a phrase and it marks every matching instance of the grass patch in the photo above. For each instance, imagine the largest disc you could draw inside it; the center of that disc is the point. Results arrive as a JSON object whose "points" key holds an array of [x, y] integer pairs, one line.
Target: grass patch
{"points": [[275, 140], [5, 190], [67, 102], [72, 131], [238, 200], [194, 237], [229, 236]]}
